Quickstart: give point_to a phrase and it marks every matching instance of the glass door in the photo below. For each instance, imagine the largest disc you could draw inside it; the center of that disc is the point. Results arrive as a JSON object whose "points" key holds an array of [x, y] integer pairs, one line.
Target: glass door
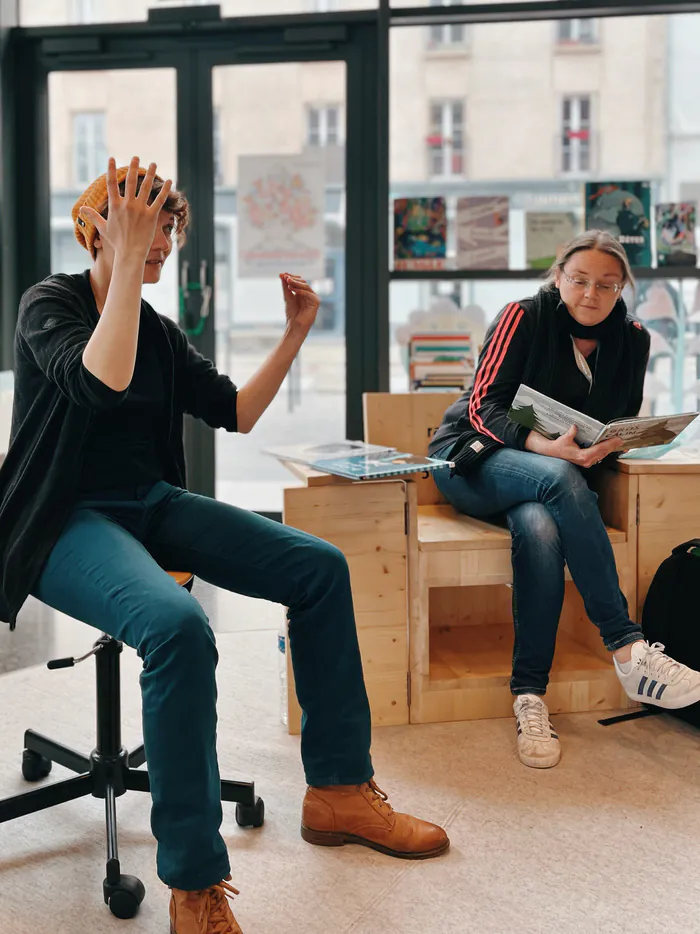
{"points": [[279, 206]]}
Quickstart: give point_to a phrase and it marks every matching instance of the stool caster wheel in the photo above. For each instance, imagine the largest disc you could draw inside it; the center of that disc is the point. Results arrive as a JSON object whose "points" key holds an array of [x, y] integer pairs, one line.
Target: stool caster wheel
{"points": [[251, 815], [125, 897], [34, 765]]}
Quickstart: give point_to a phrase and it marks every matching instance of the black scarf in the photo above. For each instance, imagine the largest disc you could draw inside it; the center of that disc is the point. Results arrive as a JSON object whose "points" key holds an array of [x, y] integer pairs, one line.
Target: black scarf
{"points": [[610, 391]]}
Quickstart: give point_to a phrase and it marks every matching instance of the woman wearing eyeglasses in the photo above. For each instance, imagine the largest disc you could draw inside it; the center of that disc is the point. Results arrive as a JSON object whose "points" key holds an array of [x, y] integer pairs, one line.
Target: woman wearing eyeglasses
{"points": [[574, 341]]}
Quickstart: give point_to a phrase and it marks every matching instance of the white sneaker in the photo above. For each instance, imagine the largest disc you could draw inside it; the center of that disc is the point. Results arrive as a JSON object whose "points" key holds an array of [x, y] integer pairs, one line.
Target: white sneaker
{"points": [[538, 743], [654, 678]]}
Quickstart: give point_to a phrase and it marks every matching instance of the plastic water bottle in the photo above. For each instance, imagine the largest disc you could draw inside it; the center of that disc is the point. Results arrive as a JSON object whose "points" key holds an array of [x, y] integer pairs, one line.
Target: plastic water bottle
{"points": [[282, 660]]}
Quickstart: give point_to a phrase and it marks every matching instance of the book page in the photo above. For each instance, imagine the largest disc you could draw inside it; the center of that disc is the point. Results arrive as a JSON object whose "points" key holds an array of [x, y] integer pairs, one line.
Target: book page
{"points": [[648, 431], [551, 418]]}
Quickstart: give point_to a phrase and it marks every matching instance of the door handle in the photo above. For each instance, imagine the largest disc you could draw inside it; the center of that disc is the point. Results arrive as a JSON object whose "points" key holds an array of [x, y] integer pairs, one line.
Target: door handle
{"points": [[192, 321]]}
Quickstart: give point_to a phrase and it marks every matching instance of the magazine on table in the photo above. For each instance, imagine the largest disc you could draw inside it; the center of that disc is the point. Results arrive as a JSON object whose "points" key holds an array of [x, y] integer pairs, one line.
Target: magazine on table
{"points": [[552, 419], [310, 453], [358, 461]]}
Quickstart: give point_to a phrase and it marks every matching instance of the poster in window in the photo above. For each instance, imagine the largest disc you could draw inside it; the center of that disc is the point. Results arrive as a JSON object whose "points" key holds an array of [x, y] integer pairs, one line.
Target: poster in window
{"points": [[675, 233], [624, 210], [420, 230], [546, 233], [280, 216], [482, 233]]}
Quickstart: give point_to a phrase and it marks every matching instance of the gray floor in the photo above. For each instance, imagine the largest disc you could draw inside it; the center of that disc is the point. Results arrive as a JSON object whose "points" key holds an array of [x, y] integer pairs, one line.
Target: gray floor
{"points": [[606, 843]]}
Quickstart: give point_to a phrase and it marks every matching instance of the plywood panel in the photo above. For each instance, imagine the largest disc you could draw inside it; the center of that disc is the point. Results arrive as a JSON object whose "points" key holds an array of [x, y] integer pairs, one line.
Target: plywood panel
{"points": [[367, 522], [593, 690], [388, 699], [681, 467], [617, 498], [487, 652], [669, 501], [441, 528], [470, 606], [347, 509], [406, 421]]}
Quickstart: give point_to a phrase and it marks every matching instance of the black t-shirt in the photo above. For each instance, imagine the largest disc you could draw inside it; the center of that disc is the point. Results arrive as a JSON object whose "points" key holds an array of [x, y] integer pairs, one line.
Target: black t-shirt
{"points": [[124, 445]]}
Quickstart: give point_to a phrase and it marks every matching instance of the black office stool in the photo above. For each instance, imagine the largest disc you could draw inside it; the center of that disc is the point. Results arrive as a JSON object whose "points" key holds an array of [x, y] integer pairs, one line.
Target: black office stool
{"points": [[108, 772]]}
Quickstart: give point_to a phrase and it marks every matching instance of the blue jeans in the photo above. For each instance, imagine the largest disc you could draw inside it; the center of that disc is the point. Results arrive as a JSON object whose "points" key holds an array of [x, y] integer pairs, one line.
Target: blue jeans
{"points": [[554, 519], [106, 569]]}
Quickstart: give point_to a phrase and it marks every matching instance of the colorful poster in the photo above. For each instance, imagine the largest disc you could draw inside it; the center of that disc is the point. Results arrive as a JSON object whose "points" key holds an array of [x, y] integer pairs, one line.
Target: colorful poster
{"points": [[482, 233], [675, 233], [420, 232], [280, 216], [623, 209], [546, 233]]}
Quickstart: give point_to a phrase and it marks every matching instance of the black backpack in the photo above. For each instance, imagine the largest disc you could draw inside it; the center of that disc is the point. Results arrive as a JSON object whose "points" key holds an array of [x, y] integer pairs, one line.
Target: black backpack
{"points": [[671, 611]]}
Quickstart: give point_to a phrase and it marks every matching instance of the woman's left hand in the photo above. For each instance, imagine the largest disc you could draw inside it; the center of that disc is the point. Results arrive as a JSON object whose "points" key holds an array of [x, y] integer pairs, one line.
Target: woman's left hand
{"points": [[300, 304]]}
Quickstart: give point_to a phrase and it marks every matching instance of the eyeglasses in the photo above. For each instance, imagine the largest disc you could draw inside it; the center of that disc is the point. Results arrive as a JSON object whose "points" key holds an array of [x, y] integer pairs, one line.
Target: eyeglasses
{"points": [[601, 287]]}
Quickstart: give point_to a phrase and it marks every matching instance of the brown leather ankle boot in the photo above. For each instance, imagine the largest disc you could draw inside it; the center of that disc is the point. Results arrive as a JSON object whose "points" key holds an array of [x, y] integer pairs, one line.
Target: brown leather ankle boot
{"points": [[339, 814], [205, 912]]}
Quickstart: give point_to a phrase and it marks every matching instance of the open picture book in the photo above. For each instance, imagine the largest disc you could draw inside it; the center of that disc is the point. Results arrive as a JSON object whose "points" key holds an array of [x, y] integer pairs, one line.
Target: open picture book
{"points": [[356, 460], [550, 418]]}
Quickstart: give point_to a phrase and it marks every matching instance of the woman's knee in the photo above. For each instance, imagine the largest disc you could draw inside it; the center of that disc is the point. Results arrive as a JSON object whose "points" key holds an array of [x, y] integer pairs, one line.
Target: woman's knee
{"points": [[533, 520], [533, 526], [560, 476]]}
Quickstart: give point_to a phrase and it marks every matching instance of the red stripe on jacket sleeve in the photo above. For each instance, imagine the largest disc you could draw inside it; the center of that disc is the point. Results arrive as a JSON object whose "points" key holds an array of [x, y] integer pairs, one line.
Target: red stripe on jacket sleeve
{"points": [[488, 372]]}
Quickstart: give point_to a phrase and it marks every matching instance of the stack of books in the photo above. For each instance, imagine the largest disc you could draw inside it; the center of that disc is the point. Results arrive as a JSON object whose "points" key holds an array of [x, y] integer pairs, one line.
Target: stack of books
{"points": [[441, 360]]}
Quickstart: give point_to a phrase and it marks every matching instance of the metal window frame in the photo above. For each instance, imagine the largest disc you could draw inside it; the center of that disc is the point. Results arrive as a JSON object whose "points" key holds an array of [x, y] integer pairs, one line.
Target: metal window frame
{"points": [[533, 10]]}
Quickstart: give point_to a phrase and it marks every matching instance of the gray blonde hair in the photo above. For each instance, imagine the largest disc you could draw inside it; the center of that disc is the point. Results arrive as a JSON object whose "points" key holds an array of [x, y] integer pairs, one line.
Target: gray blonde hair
{"points": [[591, 240]]}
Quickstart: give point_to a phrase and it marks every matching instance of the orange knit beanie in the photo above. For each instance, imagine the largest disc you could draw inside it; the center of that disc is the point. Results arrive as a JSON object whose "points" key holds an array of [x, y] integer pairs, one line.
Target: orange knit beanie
{"points": [[95, 196]]}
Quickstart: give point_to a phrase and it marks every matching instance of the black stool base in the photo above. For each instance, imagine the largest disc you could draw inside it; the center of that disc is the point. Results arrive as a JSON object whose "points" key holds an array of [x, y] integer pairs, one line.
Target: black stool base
{"points": [[108, 772]]}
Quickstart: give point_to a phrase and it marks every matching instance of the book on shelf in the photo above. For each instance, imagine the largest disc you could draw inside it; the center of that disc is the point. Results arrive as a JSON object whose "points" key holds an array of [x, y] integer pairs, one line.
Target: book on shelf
{"points": [[420, 233], [441, 359], [675, 233], [546, 233], [623, 209], [483, 233], [357, 461], [552, 419]]}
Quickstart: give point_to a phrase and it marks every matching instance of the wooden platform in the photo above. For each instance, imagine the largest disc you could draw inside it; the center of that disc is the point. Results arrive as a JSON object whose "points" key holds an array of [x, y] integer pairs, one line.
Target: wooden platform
{"points": [[440, 528]]}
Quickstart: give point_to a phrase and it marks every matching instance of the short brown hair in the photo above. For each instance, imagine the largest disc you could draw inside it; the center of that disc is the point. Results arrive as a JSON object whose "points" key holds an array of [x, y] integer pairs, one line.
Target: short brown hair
{"points": [[592, 240], [176, 203]]}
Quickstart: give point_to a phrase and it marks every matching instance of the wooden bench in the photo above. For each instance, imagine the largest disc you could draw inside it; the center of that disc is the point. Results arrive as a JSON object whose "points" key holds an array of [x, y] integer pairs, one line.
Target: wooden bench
{"points": [[460, 576]]}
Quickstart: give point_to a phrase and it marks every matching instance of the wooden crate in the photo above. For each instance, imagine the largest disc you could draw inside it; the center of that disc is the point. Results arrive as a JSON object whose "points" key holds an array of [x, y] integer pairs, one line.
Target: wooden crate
{"points": [[668, 511], [367, 522]]}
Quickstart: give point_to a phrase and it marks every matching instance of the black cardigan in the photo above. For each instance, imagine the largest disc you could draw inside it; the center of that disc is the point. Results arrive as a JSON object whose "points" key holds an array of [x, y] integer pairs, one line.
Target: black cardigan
{"points": [[521, 347], [54, 399]]}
